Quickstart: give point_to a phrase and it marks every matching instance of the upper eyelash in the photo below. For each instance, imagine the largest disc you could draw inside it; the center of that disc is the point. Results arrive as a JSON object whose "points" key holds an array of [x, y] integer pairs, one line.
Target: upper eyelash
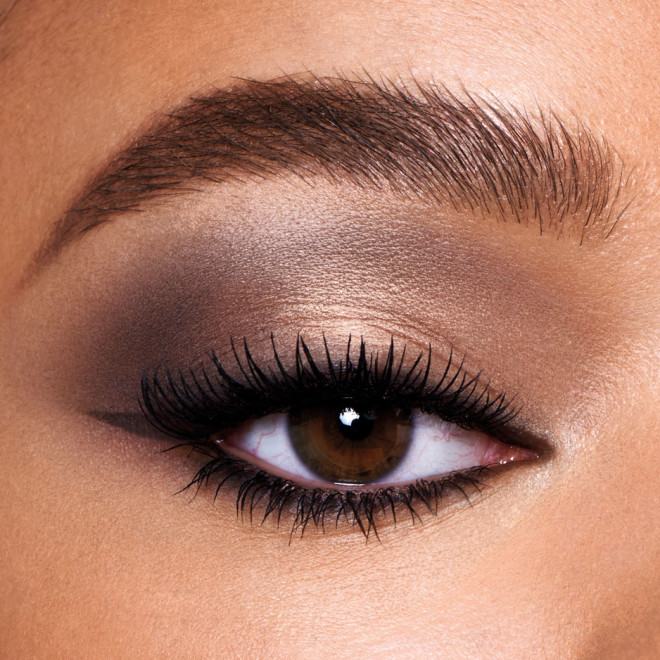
{"points": [[204, 400]]}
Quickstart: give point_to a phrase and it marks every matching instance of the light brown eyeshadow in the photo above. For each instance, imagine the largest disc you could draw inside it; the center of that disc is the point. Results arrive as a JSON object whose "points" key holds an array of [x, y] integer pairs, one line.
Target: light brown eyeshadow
{"points": [[292, 260]]}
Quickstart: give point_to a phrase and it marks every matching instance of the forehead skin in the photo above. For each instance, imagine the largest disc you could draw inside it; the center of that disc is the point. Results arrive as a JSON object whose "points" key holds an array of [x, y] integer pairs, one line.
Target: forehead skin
{"points": [[79, 79]]}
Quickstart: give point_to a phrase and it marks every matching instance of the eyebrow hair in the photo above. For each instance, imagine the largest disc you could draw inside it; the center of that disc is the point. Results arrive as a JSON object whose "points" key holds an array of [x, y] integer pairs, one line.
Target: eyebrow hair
{"points": [[473, 153]]}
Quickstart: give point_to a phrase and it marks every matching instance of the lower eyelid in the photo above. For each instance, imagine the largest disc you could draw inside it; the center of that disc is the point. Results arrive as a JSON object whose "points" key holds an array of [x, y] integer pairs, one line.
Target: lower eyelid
{"points": [[262, 498]]}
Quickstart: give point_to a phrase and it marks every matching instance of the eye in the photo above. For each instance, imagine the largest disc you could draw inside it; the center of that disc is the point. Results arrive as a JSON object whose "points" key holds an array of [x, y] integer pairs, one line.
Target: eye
{"points": [[304, 438], [354, 445]]}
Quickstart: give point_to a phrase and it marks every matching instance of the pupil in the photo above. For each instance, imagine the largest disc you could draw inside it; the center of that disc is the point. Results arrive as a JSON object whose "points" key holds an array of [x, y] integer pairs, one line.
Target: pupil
{"points": [[356, 425]]}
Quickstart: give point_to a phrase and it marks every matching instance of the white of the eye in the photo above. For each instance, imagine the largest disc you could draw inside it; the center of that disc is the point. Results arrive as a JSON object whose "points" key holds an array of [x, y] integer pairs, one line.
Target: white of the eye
{"points": [[267, 439], [436, 448]]}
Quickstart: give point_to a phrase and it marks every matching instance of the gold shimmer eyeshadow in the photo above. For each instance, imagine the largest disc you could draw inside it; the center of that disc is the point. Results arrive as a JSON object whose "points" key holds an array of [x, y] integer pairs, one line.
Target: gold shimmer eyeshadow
{"points": [[193, 276]]}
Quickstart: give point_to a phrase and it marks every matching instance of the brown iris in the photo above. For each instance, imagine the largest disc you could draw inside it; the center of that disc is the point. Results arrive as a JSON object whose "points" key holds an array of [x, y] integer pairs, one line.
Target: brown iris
{"points": [[349, 443]]}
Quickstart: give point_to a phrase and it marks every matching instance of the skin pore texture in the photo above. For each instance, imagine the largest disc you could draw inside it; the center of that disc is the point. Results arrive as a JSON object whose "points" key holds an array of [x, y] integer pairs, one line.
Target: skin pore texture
{"points": [[99, 557]]}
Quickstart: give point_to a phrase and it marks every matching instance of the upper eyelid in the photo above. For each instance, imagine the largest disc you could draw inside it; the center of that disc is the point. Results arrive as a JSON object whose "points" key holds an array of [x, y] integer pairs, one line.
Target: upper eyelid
{"points": [[195, 404]]}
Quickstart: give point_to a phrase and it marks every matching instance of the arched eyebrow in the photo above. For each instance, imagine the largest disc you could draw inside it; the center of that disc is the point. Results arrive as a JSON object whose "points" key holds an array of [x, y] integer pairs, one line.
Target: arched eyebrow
{"points": [[476, 154]]}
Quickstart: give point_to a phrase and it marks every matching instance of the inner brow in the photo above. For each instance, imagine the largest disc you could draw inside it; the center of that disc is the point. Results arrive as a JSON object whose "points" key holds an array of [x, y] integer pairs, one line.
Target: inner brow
{"points": [[470, 152]]}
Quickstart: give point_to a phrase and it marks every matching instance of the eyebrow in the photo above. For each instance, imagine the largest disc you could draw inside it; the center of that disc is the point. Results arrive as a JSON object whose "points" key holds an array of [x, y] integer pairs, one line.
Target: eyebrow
{"points": [[471, 152]]}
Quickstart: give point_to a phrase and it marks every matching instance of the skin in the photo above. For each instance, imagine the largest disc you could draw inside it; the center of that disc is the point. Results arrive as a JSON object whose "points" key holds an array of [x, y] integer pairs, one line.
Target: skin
{"points": [[559, 558]]}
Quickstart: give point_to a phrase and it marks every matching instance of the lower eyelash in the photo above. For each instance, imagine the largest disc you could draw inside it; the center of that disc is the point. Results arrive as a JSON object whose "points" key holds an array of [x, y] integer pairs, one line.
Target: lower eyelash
{"points": [[276, 498]]}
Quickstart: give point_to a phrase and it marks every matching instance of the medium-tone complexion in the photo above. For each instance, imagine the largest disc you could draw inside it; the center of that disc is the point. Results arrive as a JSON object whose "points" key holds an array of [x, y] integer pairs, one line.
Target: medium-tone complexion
{"points": [[194, 184]]}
